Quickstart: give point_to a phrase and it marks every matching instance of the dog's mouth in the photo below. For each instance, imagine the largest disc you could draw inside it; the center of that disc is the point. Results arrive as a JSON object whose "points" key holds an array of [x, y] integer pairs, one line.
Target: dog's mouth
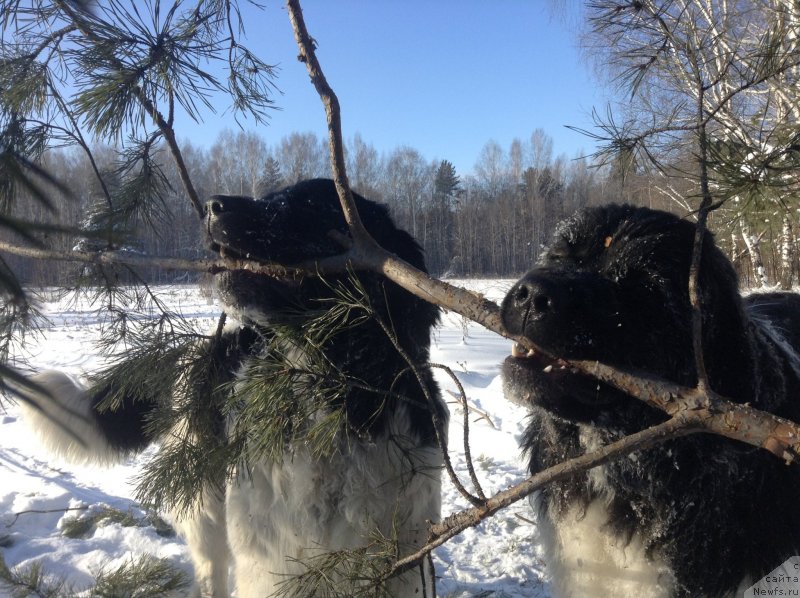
{"points": [[560, 387], [253, 265], [230, 254], [533, 358]]}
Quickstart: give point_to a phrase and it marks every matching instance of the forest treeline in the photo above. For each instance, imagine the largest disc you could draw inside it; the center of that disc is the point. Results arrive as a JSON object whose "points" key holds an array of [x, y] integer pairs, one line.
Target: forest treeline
{"points": [[492, 222]]}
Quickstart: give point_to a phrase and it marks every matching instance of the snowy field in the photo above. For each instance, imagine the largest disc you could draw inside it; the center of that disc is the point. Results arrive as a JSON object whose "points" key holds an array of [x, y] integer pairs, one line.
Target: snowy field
{"points": [[38, 496]]}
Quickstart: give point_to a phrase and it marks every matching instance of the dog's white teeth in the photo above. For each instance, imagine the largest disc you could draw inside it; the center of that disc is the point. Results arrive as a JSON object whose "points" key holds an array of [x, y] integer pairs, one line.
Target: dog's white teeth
{"points": [[548, 369], [521, 352]]}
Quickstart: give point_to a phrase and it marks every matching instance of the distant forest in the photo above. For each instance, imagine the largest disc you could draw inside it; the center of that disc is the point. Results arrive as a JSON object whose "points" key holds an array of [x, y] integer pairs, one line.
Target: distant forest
{"points": [[490, 223]]}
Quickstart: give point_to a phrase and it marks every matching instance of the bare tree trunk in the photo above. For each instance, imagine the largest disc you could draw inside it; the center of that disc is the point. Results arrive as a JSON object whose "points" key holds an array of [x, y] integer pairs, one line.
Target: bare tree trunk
{"points": [[787, 253], [735, 257], [753, 243]]}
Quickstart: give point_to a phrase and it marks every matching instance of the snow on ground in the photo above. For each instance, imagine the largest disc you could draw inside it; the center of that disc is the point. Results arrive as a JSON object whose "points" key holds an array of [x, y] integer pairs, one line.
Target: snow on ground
{"points": [[499, 558]]}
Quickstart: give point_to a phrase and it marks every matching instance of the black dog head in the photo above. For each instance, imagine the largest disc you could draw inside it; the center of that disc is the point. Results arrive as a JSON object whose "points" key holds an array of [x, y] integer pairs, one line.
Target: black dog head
{"points": [[290, 227], [613, 287]]}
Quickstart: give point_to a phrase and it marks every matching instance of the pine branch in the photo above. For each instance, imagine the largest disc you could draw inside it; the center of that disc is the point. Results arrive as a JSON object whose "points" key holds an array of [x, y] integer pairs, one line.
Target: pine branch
{"points": [[163, 125], [129, 258], [32, 580], [144, 577], [249, 80], [744, 423]]}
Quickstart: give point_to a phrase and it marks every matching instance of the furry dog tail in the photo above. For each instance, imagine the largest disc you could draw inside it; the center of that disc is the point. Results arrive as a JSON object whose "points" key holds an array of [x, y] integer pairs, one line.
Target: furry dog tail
{"points": [[66, 418]]}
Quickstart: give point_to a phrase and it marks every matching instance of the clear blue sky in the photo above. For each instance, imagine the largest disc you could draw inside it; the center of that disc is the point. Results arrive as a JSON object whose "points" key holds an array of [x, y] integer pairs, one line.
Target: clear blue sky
{"points": [[443, 77]]}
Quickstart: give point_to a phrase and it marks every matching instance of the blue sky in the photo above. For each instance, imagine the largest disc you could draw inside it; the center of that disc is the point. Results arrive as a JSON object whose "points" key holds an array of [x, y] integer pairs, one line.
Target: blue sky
{"points": [[443, 77]]}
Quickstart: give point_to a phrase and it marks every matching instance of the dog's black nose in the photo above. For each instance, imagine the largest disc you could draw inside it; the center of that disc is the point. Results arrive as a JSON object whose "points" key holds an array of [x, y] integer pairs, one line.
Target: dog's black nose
{"points": [[539, 299], [241, 204], [214, 206], [533, 297]]}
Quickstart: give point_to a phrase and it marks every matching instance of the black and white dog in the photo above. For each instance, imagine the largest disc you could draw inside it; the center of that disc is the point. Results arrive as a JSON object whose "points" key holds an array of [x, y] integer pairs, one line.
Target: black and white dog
{"points": [[383, 474], [697, 516]]}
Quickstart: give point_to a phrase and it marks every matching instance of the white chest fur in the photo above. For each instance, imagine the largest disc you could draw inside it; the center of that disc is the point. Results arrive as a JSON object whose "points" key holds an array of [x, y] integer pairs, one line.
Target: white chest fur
{"points": [[586, 561], [280, 514]]}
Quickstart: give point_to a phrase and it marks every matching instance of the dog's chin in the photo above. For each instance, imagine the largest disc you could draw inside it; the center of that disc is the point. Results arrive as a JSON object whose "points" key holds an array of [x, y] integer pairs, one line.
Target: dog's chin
{"points": [[533, 379], [252, 295]]}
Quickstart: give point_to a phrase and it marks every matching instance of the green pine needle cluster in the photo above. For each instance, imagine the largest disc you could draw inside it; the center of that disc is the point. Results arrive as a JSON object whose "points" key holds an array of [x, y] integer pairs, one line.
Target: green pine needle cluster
{"points": [[84, 525], [24, 582], [143, 577], [147, 356], [213, 424], [279, 403], [345, 573]]}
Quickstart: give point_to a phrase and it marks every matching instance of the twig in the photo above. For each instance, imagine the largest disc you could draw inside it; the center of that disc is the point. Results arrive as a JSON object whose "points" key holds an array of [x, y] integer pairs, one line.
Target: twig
{"points": [[462, 397], [29, 511], [307, 55], [680, 425], [441, 437], [122, 257], [479, 412], [433, 575], [697, 248], [525, 519]]}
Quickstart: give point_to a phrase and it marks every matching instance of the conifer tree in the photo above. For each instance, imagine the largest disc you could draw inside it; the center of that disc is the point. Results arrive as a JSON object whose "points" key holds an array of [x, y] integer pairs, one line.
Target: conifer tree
{"points": [[271, 179], [117, 71]]}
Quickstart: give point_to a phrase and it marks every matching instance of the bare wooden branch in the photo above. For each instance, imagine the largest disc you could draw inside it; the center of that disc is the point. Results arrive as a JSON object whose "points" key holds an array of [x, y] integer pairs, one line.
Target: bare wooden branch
{"points": [[130, 258], [697, 250], [307, 55], [44, 511], [680, 425], [744, 423], [732, 420], [462, 400]]}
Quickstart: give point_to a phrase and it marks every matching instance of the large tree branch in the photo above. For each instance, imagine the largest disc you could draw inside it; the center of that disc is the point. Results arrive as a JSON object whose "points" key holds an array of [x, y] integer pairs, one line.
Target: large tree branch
{"points": [[139, 260], [742, 423], [692, 410]]}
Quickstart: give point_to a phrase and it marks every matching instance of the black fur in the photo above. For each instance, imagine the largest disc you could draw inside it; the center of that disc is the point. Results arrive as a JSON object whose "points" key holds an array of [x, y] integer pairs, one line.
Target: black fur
{"points": [[290, 227], [241, 498], [125, 418], [613, 287]]}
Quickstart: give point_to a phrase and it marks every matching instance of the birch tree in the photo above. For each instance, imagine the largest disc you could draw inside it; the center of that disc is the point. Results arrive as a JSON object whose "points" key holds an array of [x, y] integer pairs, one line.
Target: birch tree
{"points": [[713, 79]]}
